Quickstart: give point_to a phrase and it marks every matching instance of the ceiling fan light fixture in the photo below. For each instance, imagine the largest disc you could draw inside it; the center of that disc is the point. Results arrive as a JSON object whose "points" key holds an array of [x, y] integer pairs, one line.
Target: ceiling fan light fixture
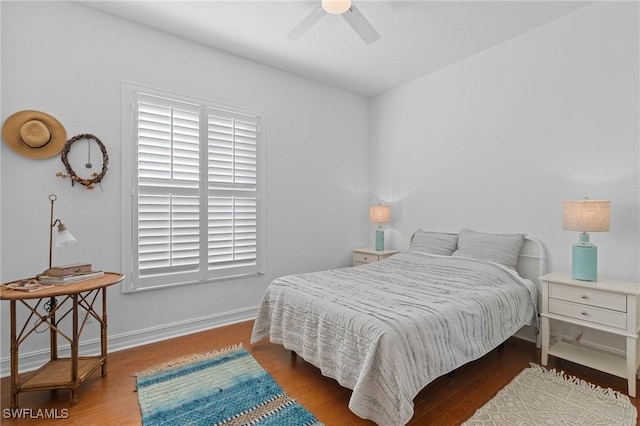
{"points": [[336, 7]]}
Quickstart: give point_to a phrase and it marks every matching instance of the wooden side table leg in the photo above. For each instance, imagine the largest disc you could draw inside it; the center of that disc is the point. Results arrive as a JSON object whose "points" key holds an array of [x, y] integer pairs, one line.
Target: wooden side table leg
{"points": [[74, 351], [14, 356], [53, 334], [74, 397], [103, 332]]}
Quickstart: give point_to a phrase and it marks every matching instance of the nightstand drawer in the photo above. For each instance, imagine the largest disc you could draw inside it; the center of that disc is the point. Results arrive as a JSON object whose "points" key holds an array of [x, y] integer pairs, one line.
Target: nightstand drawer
{"points": [[606, 317], [617, 302], [364, 258]]}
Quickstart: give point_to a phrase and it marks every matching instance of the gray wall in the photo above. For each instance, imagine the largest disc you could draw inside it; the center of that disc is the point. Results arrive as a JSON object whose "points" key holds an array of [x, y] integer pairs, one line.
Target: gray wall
{"points": [[69, 61], [494, 143], [497, 141]]}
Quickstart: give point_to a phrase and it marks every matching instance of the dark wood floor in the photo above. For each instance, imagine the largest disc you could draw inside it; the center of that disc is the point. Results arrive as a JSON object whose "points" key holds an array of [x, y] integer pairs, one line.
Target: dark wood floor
{"points": [[112, 400]]}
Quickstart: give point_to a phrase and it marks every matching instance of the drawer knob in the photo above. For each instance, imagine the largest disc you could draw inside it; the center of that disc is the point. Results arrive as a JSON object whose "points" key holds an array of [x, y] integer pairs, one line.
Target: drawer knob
{"points": [[584, 296], [366, 258], [584, 313]]}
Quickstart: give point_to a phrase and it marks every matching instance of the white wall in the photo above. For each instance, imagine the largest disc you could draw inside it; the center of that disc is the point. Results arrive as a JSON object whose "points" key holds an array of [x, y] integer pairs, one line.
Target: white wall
{"points": [[69, 61], [496, 142]]}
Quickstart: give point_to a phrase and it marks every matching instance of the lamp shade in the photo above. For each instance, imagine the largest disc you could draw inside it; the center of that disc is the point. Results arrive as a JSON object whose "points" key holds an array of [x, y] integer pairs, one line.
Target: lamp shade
{"points": [[380, 214], [336, 7], [64, 237], [586, 215]]}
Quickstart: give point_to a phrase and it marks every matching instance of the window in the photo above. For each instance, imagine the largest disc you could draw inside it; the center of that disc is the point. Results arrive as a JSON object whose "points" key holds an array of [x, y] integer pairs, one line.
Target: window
{"points": [[194, 190]]}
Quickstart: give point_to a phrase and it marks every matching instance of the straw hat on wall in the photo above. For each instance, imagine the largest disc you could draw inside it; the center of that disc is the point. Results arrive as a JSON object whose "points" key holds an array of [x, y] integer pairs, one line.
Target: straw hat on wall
{"points": [[34, 134]]}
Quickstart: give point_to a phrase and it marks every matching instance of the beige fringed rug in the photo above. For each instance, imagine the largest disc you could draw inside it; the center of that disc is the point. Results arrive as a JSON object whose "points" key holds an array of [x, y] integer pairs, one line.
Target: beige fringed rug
{"points": [[538, 396]]}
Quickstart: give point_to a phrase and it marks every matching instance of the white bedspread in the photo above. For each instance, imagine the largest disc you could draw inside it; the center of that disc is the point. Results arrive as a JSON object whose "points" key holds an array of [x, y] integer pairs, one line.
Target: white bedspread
{"points": [[389, 328]]}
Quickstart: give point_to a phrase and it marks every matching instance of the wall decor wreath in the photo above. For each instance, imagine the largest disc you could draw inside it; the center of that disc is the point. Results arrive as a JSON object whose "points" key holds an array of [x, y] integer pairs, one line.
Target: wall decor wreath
{"points": [[66, 157]]}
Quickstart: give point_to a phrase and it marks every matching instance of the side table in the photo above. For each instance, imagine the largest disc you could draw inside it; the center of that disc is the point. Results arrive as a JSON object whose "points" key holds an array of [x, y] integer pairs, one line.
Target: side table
{"points": [[44, 310], [611, 306], [362, 256]]}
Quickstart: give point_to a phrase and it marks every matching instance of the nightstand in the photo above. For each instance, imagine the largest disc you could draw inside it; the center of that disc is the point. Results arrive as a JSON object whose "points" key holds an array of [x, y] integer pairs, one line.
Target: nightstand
{"points": [[362, 256], [610, 306]]}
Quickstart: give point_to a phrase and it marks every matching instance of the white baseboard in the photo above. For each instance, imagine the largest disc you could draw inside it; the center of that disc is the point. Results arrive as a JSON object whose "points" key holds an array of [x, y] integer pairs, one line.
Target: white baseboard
{"points": [[32, 360]]}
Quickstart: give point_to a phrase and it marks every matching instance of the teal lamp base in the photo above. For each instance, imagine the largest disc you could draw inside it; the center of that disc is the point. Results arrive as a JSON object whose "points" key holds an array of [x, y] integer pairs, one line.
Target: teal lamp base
{"points": [[585, 260], [379, 239]]}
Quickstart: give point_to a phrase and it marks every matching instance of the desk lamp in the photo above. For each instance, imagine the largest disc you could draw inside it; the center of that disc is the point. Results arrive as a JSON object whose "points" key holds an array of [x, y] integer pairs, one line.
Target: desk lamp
{"points": [[63, 237]]}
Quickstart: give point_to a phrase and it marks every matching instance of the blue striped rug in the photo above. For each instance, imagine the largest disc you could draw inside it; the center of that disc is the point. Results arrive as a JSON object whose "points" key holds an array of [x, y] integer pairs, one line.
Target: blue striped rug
{"points": [[228, 387]]}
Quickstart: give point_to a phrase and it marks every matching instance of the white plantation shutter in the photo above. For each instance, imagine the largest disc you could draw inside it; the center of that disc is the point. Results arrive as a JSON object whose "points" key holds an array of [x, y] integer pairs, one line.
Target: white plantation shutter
{"points": [[232, 150], [196, 202], [232, 232], [168, 233], [233, 192], [168, 188]]}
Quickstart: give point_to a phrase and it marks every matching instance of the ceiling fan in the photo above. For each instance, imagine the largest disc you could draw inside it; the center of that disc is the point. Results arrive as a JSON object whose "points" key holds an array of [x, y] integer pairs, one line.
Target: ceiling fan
{"points": [[350, 13]]}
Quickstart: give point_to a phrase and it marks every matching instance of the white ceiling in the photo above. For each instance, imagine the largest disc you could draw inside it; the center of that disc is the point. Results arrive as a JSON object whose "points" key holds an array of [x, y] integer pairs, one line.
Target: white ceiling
{"points": [[417, 37]]}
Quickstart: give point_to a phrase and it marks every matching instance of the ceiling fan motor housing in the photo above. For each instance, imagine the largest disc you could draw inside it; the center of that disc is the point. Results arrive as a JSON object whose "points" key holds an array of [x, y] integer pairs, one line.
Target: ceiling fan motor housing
{"points": [[336, 7]]}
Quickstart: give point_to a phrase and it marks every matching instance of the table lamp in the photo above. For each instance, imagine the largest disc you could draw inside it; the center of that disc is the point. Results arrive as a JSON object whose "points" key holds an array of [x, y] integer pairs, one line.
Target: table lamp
{"points": [[63, 237], [379, 214], [585, 216]]}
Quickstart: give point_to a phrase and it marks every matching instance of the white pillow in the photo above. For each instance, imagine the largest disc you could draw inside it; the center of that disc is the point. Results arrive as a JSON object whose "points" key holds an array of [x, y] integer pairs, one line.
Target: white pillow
{"points": [[433, 242], [498, 248]]}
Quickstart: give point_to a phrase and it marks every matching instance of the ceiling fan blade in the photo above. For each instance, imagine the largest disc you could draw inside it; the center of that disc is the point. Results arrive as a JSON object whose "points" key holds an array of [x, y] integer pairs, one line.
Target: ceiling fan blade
{"points": [[306, 24], [360, 25]]}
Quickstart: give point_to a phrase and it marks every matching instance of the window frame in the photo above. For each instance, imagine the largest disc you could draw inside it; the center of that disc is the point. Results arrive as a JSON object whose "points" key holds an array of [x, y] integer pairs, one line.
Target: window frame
{"points": [[133, 281]]}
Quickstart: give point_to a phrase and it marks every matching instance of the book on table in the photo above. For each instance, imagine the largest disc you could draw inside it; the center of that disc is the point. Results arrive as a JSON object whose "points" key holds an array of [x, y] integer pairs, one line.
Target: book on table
{"points": [[68, 279], [66, 270], [31, 285]]}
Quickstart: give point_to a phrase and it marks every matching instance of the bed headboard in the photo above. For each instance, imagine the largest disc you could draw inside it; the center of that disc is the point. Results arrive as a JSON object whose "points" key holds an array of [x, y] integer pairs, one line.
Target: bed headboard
{"points": [[532, 260]]}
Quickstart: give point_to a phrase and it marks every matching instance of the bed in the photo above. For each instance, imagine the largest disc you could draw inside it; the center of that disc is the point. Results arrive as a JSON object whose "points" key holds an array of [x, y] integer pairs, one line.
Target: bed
{"points": [[387, 329]]}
